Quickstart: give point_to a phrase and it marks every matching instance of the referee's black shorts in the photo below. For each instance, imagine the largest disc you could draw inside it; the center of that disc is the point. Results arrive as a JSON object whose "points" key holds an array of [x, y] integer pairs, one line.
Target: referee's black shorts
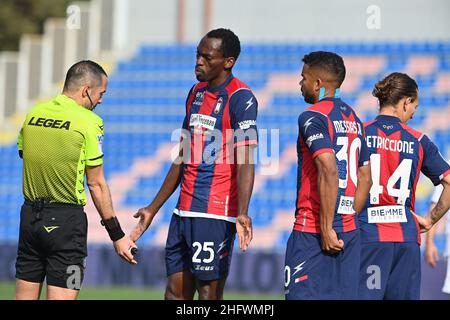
{"points": [[52, 244]]}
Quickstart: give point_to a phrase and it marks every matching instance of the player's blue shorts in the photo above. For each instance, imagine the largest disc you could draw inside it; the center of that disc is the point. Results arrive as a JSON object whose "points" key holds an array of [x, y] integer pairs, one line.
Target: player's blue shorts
{"points": [[312, 274], [201, 245], [390, 270]]}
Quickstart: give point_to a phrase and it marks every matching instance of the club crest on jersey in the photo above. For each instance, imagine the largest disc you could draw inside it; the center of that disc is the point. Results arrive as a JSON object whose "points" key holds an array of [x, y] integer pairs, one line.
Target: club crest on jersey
{"points": [[218, 105]]}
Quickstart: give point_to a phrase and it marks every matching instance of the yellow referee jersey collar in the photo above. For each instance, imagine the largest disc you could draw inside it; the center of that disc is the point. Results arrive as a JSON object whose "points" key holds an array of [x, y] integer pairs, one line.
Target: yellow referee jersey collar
{"points": [[66, 101]]}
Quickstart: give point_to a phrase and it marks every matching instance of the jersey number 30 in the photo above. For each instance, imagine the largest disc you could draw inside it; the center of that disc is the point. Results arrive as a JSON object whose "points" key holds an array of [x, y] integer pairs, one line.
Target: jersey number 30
{"points": [[350, 158]]}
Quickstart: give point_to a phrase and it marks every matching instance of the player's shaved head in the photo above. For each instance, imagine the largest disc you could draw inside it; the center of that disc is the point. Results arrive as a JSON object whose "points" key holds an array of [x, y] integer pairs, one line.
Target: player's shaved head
{"points": [[84, 73], [327, 65]]}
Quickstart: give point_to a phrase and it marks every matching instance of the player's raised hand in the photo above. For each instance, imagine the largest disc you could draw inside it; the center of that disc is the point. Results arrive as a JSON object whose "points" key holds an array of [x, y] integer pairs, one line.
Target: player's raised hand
{"points": [[123, 246], [425, 223], [330, 242], [145, 216], [244, 230]]}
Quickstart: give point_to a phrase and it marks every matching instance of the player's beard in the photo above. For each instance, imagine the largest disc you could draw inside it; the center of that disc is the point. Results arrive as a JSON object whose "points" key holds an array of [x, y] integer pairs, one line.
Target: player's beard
{"points": [[309, 98], [200, 77]]}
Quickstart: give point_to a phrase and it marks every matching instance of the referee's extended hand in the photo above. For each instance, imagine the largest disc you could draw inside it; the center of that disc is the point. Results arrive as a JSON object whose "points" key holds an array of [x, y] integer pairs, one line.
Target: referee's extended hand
{"points": [[122, 247], [145, 216]]}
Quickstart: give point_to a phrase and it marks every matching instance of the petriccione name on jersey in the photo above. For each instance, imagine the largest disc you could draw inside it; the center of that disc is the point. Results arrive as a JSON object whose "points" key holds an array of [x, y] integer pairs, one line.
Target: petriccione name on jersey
{"points": [[386, 214], [198, 98], [313, 138]]}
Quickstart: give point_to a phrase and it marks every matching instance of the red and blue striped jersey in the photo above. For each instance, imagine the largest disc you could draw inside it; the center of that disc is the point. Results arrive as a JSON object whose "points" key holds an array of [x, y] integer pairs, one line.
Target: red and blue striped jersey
{"points": [[398, 154], [332, 126], [217, 121]]}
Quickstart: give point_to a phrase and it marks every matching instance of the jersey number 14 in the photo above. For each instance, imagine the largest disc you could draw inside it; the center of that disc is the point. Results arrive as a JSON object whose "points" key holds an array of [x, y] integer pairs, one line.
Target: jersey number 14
{"points": [[402, 173]]}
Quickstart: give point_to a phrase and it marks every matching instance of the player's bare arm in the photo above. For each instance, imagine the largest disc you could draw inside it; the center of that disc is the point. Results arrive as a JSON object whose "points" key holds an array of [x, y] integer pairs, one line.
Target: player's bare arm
{"points": [[441, 207], [245, 178], [431, 251], [147, 214], [363, 188], [101, 197], [327, 176]]}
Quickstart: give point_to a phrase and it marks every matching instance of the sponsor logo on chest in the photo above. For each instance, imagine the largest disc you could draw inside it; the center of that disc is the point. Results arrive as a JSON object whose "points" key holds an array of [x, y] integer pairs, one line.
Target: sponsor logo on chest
{"points": [[198, 100], [199, 120]]}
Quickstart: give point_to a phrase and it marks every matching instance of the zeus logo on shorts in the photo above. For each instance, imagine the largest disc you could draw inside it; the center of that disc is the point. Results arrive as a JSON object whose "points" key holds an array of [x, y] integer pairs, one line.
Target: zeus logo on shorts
{"points": [[204, 268]]}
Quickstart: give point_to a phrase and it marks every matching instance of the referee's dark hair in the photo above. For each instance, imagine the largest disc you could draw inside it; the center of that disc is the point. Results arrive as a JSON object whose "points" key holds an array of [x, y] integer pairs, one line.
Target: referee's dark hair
{"points": [[231, 46], [330, 62], [83, 72]]}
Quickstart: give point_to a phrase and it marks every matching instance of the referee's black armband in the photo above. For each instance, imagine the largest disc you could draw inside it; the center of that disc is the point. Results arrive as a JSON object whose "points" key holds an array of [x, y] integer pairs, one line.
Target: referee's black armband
{"points": [[112, 225]]}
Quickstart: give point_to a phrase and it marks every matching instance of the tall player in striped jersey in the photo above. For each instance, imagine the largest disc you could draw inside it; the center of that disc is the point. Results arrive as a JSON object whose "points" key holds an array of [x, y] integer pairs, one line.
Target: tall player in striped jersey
{"points": [[322, 255], [216, 172], [390, 231]]}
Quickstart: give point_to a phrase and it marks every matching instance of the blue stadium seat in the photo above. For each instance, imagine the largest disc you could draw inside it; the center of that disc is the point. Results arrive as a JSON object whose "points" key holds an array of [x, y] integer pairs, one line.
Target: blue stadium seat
{"points": [[146, 98]]}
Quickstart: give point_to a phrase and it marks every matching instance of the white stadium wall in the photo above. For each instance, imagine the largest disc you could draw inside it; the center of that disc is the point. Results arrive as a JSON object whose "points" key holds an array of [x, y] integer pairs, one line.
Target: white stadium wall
{"points": [[344, 20], [111, 29], [285, 20]]}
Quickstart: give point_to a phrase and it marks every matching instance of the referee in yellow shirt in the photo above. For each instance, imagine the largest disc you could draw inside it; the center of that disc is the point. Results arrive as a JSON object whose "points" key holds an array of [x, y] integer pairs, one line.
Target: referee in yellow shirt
{"points": [[61, 141]]}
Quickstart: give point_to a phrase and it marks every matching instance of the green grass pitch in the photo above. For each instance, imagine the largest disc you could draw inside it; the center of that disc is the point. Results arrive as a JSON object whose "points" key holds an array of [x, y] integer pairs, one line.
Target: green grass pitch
{"points": [[129, 293]]}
